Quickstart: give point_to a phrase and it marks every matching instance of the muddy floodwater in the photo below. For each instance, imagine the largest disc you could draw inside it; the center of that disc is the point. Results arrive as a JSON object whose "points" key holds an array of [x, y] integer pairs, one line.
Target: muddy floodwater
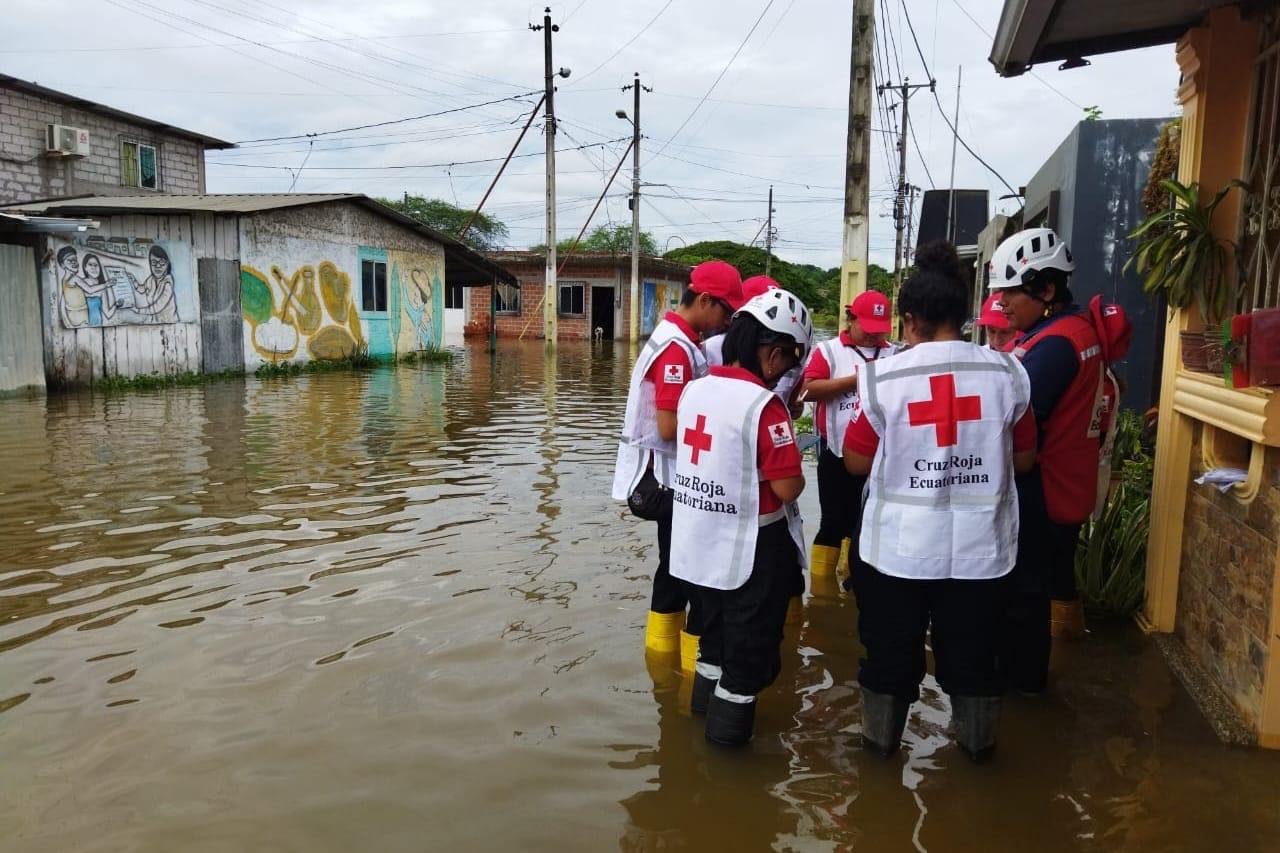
{"points": [[397, 611]]}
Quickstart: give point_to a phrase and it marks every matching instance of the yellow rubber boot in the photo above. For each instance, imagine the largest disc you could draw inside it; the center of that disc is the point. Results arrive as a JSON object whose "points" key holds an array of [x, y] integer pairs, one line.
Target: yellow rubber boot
{"points": [[843, 562], [795, 611], [1066, 620], [662, 633], [823, 560], [688, 651]]}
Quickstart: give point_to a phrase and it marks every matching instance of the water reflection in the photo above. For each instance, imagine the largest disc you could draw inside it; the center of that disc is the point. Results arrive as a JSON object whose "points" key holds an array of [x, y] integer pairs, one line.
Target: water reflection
{"points": [[397, 610]]}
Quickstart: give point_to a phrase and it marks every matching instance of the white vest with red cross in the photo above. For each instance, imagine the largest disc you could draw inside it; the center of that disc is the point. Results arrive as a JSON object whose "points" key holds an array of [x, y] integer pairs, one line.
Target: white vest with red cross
{"points": [[941, 497], [839, 410], [715, 514], [640, 439]]}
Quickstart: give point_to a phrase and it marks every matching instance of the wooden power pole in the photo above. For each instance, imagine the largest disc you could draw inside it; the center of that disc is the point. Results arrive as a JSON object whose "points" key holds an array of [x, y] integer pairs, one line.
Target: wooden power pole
{"points": [[857, 172]]}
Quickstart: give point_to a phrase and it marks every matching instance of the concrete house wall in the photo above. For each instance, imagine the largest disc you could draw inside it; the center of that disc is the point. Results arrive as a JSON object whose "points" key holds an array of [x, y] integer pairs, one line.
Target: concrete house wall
{"points": [[27, 173], [300, 274]]}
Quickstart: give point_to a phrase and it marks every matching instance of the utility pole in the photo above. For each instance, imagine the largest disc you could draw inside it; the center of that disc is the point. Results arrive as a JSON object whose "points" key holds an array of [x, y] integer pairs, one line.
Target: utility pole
{"points": [[857, 173], [768, 235], [911, 211], [904, 90], [550, 303], [951, 192], [634, 325]]}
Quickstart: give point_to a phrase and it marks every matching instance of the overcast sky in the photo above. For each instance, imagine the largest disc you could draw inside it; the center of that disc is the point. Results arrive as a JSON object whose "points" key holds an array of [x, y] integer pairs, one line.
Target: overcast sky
{"points": [[249, 69]]}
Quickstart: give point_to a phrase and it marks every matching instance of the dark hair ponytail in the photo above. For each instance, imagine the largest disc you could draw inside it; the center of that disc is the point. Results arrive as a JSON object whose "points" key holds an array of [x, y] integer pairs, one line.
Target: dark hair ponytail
{"points": [[936, 294]]}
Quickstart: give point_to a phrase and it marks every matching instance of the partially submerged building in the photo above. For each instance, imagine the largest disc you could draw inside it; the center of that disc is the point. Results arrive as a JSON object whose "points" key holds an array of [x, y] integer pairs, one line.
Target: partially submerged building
{"points": [[205, 283], [593, 295]]}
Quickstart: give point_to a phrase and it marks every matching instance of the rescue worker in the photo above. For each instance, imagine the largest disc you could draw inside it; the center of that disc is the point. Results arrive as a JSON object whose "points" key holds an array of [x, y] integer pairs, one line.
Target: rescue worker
{"points": [[736, 530], [1000, 335], [1061, 352], [942, 428], [671, 359], [831, 380]]}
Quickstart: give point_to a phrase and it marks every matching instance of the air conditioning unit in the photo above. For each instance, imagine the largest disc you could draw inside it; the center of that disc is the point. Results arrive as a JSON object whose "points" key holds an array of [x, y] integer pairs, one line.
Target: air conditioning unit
{"points": [[63, 141]]}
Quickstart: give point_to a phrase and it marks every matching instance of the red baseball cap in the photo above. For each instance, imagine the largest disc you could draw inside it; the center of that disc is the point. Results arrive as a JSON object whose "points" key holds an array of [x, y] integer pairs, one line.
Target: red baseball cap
{"points": [[756, 285], [719, 280], [992, 315], [871, 309]]}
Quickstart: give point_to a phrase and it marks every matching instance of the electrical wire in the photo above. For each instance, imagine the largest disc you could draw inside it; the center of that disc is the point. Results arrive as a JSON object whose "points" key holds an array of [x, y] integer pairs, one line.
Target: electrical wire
{"points": [[629, 41], [315, 134], [415, 165], [942, 111], [716, 82]]}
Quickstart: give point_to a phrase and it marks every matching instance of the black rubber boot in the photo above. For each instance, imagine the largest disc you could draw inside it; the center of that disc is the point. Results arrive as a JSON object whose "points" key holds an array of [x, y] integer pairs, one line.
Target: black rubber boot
{"points": [[730, 723], [884, 718], [703, 683], [974, 721]]}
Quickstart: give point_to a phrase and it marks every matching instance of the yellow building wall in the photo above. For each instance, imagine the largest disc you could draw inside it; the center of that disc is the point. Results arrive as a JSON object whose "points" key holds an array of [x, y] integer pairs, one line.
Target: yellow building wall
{"points": [[1213, 560]]}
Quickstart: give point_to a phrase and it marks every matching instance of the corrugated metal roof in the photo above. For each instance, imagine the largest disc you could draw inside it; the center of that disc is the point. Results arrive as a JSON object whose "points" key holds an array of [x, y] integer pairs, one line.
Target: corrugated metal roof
{"points": [[43, 224], [480, 270], [165, 203], [7, 82]]}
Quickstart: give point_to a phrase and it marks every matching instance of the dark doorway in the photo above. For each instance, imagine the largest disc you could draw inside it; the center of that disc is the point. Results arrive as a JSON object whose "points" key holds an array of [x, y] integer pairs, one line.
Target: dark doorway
{"points": [[602, 312]]}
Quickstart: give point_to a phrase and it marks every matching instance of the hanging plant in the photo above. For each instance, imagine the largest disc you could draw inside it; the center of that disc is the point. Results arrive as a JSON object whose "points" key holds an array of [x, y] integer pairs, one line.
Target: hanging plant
{"points": [[1180, 257], [1164, 166]]}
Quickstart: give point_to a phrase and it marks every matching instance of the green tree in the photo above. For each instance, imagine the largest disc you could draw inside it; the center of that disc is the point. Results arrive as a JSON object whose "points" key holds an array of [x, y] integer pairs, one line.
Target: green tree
{"points": [[818, 287], [486, 233], [606, 240]]}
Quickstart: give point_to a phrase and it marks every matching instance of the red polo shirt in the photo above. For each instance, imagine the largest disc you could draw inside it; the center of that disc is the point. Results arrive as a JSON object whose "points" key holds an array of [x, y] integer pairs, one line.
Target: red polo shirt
{"points": [[671, 370], [817, 368], [777, 455]]}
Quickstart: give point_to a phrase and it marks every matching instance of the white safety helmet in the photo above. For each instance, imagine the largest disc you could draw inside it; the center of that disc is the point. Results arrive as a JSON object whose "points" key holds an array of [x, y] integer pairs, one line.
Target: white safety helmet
{"points": [[780, 311], [1032, 249]]}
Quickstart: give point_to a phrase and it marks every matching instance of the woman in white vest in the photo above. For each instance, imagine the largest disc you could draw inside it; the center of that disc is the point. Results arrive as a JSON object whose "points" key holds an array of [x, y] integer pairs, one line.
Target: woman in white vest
{"points": [[942, 428], [831, 381], [735, 527], [671, 359]]}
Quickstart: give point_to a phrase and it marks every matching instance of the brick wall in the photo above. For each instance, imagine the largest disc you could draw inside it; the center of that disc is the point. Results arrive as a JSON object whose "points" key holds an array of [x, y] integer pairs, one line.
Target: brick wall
{"points": [[530, 319], [1225, 586], [26, 173]]}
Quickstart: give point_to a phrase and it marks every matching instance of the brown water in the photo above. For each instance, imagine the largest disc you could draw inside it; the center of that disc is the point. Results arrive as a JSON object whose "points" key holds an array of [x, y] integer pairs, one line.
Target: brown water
{"points": [[397, 611]]}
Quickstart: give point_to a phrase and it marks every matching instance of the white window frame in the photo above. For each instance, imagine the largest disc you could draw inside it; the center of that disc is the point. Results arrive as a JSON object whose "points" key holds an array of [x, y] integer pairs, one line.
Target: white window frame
{"points": [[138, 145], [581, 286]]}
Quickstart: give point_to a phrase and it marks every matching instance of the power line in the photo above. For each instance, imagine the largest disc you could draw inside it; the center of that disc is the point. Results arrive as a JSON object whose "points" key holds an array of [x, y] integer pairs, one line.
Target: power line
{"points": [[415, 165], [385, 123], [747, 175], [716, 82], [144, 48], [629, 42], [942, 111]]}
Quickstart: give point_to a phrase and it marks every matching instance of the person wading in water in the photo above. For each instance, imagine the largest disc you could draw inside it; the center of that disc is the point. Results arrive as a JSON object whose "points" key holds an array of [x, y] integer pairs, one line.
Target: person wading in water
{"points": [[671, 359], [736, 530], [942, 428]]}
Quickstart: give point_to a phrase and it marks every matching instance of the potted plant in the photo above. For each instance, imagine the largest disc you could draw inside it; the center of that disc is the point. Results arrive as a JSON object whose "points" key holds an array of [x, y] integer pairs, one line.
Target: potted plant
{"points": [[1180, 257]]}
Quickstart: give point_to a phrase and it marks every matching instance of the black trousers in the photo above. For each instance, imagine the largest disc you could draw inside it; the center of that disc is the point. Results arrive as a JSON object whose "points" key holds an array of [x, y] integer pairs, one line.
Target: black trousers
{"points": [[672, 595], [742, 628], [840, 498], [896, 614], [1045, 572]]}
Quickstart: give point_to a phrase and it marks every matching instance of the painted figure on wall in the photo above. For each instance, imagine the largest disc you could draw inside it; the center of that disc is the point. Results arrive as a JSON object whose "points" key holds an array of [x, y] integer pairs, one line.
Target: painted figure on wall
{"points": [[418, 291], [158, 301], [123, 281]]}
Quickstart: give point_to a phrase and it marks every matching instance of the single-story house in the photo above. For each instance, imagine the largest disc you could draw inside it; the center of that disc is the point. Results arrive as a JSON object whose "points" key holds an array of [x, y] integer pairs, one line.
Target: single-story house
{"points": [[594, 292], [204, 283]]}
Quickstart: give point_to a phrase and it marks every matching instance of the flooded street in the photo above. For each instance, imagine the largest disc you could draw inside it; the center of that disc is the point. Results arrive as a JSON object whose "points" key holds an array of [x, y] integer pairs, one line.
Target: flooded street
{"points": [[398, 611]]}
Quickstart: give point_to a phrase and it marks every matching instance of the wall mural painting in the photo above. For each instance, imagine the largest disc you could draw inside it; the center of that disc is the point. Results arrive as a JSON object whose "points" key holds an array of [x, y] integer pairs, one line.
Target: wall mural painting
{"points": [[310, 308], [417, 301], [121, 281], [659, 298]]}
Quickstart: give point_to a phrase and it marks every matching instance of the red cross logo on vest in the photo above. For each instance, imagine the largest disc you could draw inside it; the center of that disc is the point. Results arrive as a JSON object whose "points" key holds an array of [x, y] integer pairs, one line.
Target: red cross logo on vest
{"points": [[945, 411], [698, 438]]}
